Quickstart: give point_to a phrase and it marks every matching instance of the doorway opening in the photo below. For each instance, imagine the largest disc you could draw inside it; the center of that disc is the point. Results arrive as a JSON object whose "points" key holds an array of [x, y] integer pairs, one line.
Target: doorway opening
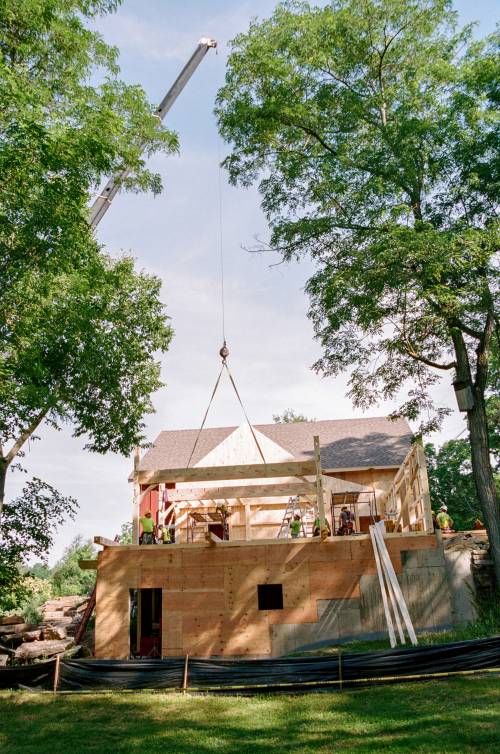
{"points": [[145, 622]]}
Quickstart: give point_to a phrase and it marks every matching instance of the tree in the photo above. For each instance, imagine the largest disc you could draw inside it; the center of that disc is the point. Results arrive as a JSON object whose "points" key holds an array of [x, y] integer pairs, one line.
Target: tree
{"points": [[78, 330], [373, 127], [59, 135], [125, 536], [26, 531], [452, 483], [67, 577], [289, 416], [81, 349]]}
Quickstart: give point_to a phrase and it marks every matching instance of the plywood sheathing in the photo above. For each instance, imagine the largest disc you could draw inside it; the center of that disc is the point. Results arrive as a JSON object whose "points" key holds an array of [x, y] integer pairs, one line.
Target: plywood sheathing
{"points": [[210, 593]]}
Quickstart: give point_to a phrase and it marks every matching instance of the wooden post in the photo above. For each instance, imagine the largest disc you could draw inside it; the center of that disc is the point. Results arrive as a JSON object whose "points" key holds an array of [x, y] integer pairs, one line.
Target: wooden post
{"points": [[57, 671], [319, 482], [161, 504], [137, 497], [340, 668], [388, 619], [185, 676], [378, 530], [248, 525]]}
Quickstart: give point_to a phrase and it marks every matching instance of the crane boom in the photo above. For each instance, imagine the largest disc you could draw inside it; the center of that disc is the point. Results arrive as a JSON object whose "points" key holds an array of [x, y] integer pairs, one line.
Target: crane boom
{"points": [[103, 201]]}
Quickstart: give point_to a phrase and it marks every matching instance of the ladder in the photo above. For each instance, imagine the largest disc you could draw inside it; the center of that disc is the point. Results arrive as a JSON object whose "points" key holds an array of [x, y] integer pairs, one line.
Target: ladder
{"points": [[294, 507]]}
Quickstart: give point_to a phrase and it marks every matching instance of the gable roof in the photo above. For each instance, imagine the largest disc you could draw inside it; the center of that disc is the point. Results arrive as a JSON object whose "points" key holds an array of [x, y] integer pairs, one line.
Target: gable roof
{"points": [[345, 443]]}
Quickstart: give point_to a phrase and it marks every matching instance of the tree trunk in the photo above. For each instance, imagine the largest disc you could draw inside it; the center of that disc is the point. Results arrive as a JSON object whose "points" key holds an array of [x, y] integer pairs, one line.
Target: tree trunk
{"points": [[478, 436], [3, 474], [483, 477]]}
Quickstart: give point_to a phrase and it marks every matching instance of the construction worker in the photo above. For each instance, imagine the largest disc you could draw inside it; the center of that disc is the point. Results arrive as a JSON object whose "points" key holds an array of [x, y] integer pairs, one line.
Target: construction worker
{"points": [[317, 528], [165, 535], [148, 529], [445, 522], [346, 522], [434, 520], [295, 526]]}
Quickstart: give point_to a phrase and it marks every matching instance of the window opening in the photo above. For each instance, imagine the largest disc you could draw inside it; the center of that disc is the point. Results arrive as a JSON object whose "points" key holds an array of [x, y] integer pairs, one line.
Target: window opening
{"points": [[270, 596]]}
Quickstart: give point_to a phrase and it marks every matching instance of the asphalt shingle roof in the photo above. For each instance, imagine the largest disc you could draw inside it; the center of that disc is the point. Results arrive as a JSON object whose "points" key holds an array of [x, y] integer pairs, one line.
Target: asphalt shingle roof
{"points": [[345, 443]]}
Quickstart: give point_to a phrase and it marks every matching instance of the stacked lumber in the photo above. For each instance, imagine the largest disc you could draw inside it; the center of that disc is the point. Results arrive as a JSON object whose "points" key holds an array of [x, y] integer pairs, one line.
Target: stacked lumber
{"points": [[23, 642], [62, 615]]}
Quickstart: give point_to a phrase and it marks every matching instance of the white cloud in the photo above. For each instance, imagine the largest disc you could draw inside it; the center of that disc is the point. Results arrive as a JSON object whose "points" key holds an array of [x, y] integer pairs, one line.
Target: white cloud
{"points": [[155, 36]]}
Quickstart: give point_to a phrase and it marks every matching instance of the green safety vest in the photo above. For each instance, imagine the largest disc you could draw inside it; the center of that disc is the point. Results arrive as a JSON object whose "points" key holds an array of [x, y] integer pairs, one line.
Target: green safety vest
{"points": [[295, 527], [165, 534], [444, 521], [147, 524]]}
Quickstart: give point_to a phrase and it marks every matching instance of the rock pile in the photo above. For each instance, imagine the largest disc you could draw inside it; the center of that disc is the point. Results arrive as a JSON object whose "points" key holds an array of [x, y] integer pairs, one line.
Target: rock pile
{"points": [[24, 642], [481, 564]]}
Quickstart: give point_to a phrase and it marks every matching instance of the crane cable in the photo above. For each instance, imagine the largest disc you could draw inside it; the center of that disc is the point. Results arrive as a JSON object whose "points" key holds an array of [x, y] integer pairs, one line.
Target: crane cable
{"points": [[224, 350]]}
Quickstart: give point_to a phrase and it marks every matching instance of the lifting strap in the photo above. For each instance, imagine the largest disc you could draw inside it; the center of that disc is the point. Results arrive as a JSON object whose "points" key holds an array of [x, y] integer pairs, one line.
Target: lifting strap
{"points": [[224, 353]]}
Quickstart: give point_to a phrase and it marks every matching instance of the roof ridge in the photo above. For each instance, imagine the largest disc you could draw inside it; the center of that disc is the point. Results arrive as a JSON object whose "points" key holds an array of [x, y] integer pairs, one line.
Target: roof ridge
{"points": [[288, 424]]}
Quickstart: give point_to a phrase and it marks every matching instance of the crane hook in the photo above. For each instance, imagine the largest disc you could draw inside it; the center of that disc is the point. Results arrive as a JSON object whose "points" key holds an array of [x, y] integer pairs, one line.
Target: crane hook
{"points": [[224, 352]]}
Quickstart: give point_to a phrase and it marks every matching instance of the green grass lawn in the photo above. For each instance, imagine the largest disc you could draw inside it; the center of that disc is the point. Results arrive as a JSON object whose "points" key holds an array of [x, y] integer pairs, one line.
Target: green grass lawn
{"points": [[454, 716]]}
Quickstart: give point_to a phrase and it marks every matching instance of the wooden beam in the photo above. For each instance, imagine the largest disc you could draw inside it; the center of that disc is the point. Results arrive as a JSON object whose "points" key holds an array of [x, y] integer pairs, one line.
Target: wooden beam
{"points": [[248, 524], [212, 538], [319, 481], [136, 497], [242, 471], [88, 565], [380, 573], [378, 529], [423, 480], [189, 494], [106, 542]]}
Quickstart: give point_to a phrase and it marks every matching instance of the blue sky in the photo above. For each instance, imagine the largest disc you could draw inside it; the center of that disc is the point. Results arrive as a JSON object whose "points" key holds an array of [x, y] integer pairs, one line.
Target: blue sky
{"points": [[175, 236]]}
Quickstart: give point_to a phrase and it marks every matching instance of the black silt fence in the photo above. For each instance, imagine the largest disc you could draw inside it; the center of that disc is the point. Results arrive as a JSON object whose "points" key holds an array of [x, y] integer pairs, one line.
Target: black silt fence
{"points": [[279, 675]]}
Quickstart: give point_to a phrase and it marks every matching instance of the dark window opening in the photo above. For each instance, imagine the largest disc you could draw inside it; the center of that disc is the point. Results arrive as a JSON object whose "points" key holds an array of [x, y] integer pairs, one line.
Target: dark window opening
{"points": [[270, 596]]}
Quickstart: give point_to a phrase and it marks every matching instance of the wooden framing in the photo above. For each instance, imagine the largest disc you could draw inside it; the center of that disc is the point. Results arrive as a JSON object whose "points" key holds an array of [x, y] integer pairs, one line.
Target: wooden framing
{"points": [[241, 471], [190, 494], [319, 482], [137, 495], [409, 536], [88, 565], [105, 542], [409, 498]]}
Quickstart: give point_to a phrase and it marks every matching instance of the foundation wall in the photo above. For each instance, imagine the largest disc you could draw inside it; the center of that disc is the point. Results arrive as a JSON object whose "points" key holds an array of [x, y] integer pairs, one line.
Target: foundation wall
{"points": [[209, 594]]}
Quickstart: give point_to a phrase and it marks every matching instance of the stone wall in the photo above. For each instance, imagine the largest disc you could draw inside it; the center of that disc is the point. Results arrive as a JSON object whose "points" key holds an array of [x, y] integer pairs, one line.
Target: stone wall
{"points": [[209, 593]]}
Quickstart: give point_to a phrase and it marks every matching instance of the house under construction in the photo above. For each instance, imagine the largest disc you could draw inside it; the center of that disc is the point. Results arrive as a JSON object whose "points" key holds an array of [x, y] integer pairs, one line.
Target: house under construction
{"points": [[234, 582]]}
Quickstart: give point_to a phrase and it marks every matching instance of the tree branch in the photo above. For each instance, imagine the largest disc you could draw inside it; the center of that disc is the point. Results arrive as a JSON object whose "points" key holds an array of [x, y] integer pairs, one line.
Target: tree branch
{"points": [[311, 132], [477, 334], [428, 362], [24, 436], [482, 352]]}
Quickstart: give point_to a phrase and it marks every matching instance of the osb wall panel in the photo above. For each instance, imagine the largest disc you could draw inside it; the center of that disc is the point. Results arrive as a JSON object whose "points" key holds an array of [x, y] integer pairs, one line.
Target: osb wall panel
{"points": [[209, 594]]}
